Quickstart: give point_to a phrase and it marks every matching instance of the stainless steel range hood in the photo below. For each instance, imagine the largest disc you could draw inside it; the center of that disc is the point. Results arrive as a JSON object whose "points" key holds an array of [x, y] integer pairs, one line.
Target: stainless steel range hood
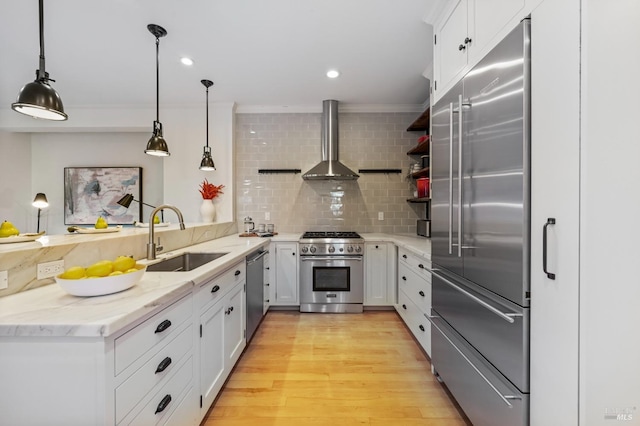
{"points": [[330, 168]]}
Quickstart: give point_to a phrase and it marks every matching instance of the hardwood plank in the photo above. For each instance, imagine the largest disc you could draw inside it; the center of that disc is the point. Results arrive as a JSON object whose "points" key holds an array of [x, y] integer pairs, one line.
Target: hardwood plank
{"points": [[333, 369]]}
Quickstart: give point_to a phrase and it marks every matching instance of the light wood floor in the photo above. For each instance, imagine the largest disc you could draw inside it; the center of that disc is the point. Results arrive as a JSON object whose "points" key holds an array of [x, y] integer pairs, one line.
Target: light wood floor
{"points": [[333, 369]]}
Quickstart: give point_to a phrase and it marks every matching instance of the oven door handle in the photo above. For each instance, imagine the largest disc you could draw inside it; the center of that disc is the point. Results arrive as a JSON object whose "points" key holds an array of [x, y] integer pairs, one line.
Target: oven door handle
{"points": [[358, 258]]}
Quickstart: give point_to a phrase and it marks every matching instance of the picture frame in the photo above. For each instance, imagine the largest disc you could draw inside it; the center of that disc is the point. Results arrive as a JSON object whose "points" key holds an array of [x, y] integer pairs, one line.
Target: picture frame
{"points": [[90, 192]]}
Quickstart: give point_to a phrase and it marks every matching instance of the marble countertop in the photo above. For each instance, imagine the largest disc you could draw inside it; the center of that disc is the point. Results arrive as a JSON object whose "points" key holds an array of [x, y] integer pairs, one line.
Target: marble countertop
{"points": [[50, 311]]}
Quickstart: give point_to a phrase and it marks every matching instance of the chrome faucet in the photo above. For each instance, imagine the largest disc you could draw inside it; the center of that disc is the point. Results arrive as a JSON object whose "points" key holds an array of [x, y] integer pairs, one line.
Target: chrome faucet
{"points": [[151, 246]]}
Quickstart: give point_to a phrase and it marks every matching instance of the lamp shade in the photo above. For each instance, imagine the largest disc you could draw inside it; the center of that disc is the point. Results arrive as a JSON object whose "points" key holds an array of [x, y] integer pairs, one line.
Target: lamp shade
{"points": [[207, 162], [40, 201], [38, 99], [126, 201]]}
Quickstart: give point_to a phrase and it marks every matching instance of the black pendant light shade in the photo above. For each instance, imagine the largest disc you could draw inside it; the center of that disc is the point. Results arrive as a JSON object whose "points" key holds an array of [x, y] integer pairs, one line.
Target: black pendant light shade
{"points": [[157, 145], [38, 99], [207, 162]]}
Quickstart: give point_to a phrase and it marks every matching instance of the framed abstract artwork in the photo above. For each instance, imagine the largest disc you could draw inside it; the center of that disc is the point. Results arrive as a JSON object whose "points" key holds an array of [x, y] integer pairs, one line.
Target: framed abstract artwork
{"points": [[90, 192]]}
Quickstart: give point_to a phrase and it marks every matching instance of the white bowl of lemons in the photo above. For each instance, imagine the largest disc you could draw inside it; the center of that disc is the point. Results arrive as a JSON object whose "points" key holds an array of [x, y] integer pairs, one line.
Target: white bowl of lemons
{"points": [[103, 277]]}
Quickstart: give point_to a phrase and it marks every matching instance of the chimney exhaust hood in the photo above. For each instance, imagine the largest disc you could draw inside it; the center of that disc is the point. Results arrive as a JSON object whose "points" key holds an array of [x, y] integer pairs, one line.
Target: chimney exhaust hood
{"points": [[330, 168]]}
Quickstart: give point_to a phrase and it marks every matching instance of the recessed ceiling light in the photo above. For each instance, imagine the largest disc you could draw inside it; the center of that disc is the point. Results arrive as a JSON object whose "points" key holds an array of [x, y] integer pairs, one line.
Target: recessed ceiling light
{"points": [[333, 73], [186, 61]]}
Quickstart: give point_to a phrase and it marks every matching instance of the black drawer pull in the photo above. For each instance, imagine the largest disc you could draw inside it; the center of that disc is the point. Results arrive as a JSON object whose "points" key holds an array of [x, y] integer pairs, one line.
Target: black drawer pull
{"points": [[163, 365], [293, 254], [163, 326], [404, 306], [404, 278], [421, 266], [421, 327], [421, 293], [163, 404], [267, 284], [404, 256], [268, 300], [237, 273], [215, 288], [376, 246]]}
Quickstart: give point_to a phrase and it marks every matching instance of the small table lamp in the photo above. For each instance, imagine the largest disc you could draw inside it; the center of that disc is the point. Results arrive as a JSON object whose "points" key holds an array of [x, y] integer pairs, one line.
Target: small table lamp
{"points": [[40, 202], [128, 198]]}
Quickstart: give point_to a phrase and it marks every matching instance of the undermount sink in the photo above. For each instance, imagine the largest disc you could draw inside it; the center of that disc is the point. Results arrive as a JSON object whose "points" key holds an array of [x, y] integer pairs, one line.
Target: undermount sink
{"points": [[184, 262]]}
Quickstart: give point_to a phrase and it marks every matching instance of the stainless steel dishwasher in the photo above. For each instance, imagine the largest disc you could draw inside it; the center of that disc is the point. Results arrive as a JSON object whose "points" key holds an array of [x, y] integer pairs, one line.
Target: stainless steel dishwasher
{"points": [[255, 290]]}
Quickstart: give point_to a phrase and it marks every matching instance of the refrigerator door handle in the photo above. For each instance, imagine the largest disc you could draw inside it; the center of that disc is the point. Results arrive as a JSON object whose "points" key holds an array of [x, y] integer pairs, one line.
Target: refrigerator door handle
{"points": [[507, 316], [450, 178], [504, 398], [550, 221], [460, 232]]}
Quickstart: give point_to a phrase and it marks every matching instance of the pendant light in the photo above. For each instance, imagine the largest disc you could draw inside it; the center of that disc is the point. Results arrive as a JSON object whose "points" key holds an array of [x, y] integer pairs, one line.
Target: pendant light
{"points": [[38, 99], [157, 145], [207, 162]]}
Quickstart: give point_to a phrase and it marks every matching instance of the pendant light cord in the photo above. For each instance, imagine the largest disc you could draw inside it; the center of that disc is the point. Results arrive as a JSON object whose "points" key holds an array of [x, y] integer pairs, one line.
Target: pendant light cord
{"points": [[157, 79], [42, 74], [207, 117]]}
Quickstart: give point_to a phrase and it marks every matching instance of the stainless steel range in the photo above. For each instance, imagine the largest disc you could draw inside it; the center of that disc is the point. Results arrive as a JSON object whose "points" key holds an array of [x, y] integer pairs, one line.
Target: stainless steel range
{"points": [[331, 272]]}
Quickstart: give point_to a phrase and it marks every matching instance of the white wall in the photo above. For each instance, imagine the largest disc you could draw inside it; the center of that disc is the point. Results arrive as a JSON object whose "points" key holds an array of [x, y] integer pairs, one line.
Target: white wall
{"points": [[16, 194]]}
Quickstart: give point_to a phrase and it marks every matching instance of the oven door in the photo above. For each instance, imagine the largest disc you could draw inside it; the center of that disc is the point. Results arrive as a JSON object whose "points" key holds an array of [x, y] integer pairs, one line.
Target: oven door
{"points": [[329, 280]]}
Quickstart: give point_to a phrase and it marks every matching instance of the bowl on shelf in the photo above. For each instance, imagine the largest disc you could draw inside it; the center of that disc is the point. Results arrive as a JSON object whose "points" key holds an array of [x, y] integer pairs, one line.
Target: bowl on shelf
{"points": [[99, 286]]}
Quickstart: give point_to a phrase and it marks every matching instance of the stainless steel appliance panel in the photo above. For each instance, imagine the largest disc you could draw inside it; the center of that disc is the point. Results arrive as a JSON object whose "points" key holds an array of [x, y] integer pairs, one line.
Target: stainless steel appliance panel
{"points": [[255, 291], [495, 154], [331, 280], [445, 181], [486, 398], [496, 327]]}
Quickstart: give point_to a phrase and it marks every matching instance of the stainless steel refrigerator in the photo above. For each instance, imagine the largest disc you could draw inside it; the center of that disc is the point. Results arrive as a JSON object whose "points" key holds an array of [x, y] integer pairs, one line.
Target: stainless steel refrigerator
{"points": [[480, 235]]}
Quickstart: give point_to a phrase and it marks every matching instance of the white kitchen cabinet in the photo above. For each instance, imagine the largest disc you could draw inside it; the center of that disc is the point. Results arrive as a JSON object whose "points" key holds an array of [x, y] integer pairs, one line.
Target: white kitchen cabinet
{"points": [[221, 330], [379, 274], [414, 295], [140, 374], [285, 290], [467, 30]]}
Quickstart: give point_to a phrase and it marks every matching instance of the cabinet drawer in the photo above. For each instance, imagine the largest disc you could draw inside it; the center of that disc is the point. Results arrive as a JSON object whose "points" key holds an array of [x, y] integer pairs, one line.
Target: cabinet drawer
{"points": [[186, 411], [416, 287], [220, 285], [136, 342], [154, 371], [161, 406], [415, 320], [418, 264]]}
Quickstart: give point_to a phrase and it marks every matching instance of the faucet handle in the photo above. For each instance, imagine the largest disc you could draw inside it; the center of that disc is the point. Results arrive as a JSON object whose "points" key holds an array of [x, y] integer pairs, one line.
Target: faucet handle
{"points": [[159, 247]]}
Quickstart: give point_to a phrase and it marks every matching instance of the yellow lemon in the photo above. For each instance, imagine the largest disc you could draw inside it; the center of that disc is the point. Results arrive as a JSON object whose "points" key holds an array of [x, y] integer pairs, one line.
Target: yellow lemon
{"points": [[73, 273], [100, 269], [128, 271], [101, 223], [7, 229], [122, 263], [156, 219], [114, 273]]}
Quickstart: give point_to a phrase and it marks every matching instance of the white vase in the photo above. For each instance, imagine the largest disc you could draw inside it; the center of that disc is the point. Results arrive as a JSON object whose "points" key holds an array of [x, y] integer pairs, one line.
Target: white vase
{"points": [[208, 211]]}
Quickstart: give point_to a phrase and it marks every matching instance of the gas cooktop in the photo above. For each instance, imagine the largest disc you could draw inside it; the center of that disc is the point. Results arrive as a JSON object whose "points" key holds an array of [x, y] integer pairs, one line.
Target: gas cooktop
{"points": [[331, 234]]}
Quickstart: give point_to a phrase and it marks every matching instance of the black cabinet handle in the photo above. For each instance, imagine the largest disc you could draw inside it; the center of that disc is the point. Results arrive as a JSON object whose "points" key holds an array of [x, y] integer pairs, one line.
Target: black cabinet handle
{"points": [[404, 306], [467, 40], [231, 309], [163, 365], [462, 47], [376, 246], [267, 268], [421, 266], [268, 300], [267, 284], [163, 404], [404, 256], [421, 293], [163, 326], [550, 221], [404, 278], [421, 327], [293, 254], [215, 288], [237, 273]]}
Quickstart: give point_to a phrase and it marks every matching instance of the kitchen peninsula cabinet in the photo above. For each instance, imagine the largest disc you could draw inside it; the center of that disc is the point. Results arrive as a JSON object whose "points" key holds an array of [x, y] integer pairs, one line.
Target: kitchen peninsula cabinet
{"points": [[285, 273], [414, 295], [379, 273], [222, 303]]}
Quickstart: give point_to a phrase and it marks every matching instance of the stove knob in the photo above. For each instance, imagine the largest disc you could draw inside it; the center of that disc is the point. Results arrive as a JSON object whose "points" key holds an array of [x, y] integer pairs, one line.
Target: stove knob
{"points": [[312, 249], [305, 249], [350, 249], [340, 249], [332, 249], [358, 249]]}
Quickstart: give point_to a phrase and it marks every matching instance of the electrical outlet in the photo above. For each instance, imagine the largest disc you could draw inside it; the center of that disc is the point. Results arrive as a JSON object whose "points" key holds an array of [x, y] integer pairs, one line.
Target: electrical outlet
{"points": [[4, 280], [267, 215], [50, 269], [380, 215]]}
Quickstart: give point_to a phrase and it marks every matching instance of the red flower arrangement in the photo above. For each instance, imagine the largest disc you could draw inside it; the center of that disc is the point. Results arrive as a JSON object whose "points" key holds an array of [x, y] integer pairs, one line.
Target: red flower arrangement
{"points": [[210, 191]]}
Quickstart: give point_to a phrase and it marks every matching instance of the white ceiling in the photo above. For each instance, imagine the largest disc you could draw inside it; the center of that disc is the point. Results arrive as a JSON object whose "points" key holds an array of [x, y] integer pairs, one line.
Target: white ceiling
{"points": [[257, 52]]}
